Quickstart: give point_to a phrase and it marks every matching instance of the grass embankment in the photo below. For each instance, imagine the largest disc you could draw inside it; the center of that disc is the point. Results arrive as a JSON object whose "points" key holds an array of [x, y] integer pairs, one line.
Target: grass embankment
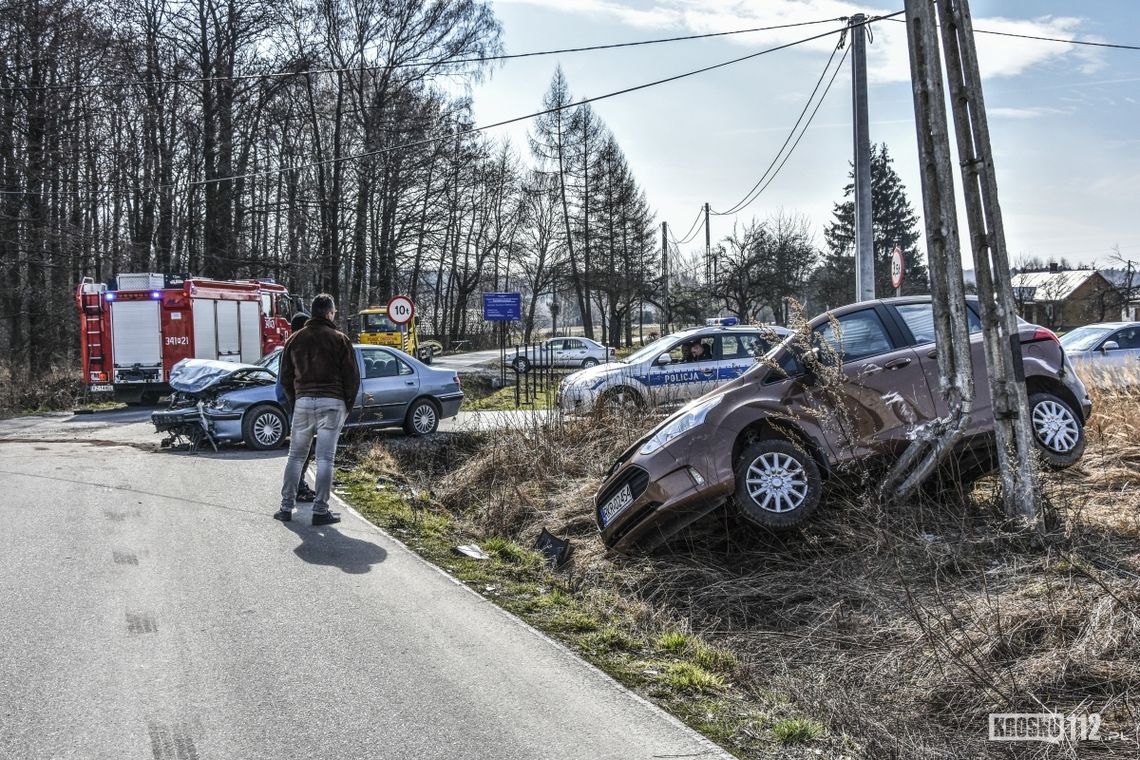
{"points": [[875, 631], [503, 400], [54, 391]]}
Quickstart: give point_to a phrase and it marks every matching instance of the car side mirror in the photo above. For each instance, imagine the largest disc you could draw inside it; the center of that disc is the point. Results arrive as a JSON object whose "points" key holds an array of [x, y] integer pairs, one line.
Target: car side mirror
{"points": [[1110, 345], [664, 359]]}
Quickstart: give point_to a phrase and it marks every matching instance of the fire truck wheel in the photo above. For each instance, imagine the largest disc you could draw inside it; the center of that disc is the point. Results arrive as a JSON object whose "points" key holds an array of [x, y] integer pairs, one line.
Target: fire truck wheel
{"points": [[264, 427], [149, 398]]}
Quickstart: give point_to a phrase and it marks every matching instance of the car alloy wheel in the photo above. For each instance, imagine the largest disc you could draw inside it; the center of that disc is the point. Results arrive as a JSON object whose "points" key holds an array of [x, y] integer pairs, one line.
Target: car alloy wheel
{"points": [[264, 428], [422, 419], [1057, 431], [521, 364], [591, 362], [777, 484]]}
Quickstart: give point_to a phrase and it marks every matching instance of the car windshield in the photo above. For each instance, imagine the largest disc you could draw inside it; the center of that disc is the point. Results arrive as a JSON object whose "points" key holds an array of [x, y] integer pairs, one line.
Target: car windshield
{"points": [[1084, 338], [654, 349], [270, 361], [378, 323]]}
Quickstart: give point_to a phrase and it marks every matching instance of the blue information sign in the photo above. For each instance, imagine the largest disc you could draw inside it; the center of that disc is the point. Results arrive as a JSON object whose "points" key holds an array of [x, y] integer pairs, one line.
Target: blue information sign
{"points": [[502, 307]]}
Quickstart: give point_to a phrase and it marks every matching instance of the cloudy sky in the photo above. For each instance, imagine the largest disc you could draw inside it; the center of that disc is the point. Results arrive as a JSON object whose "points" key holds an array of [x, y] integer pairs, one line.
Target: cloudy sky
{"points": [[1065, 119]]}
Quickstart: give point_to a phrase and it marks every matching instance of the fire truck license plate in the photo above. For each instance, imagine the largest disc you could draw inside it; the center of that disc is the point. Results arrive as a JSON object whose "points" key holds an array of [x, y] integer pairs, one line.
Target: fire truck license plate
{"points": [[617, 504], [102, 388]]}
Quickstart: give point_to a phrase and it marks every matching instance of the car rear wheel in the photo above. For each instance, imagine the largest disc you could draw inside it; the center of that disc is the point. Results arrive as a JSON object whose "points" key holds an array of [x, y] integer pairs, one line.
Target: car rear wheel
{"points": [[777, 484], [1057, 430], [264, 427], [521, 364], [589, 362], [422, 418]]}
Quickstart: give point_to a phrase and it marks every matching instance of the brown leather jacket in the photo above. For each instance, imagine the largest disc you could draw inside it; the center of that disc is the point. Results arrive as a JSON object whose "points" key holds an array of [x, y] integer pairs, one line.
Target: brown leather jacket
{"points": [[319, 361]]}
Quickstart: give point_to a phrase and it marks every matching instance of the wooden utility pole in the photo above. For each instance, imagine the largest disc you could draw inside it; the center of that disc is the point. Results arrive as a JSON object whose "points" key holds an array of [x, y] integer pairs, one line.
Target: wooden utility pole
{"points": [[948, 293], [708, 248], [1014, 436], [864, 241]]}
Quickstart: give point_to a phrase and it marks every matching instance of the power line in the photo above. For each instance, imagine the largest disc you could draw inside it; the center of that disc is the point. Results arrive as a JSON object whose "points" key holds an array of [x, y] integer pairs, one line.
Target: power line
{"points": [[1088, 43], [743, 202], [692, 230], [516, 119], [415, 64]]}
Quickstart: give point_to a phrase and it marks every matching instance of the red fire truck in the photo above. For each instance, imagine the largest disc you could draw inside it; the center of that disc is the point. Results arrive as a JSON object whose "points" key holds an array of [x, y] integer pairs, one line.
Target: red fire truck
{"points": [[133, 334]]}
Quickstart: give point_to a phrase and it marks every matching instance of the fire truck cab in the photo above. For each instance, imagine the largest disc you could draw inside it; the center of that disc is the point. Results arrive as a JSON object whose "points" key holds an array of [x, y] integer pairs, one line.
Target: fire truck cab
{"points": [[134, 333]]}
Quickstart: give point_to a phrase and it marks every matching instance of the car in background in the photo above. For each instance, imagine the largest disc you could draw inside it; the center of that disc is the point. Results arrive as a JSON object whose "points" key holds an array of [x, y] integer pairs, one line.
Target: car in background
{"points": [[221, 401], [767, 441], [667, 371], [561, 352], [1105, 354]]}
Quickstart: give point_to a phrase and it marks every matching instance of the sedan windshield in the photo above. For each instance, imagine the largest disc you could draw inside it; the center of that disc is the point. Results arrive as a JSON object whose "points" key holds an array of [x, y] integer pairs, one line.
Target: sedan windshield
{"points": [[1084, 338], [657, 347]]}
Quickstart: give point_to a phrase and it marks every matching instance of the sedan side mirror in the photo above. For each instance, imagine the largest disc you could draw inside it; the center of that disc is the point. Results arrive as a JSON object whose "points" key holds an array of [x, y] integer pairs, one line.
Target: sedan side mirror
{"points": [[1110, 345], [664, 359]]}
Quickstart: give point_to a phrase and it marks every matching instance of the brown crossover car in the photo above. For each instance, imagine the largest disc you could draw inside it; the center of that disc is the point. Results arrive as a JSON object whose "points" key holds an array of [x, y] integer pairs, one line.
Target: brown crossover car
{"points": [[767, 440]]}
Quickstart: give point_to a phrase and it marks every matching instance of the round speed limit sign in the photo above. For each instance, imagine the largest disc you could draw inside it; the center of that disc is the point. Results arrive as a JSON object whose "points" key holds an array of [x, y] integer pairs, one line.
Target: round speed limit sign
{"points": [[898, 268], [401, 310]]}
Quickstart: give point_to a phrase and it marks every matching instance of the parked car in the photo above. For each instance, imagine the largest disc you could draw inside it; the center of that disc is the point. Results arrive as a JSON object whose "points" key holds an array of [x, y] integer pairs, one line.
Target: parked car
{"points": [[667, 372], [1107, 353], [761, 442], [237, 402], [561, 352]]}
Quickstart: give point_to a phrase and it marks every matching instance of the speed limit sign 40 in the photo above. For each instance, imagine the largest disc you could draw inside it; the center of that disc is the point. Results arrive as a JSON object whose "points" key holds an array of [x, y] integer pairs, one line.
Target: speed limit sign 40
{"points": [[401, 310]]}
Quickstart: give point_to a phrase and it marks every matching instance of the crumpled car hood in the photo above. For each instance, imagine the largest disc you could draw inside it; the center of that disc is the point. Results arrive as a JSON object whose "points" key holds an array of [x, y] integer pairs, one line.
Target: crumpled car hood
{"points": [[198, 375]]}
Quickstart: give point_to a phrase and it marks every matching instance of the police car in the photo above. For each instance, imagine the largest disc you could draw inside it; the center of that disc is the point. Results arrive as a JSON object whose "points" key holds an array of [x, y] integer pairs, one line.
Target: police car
{"points": [[671, 370]]}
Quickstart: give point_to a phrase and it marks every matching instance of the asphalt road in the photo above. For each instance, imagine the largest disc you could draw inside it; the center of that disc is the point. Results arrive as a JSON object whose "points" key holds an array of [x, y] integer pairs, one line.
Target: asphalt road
{"points": [[150, 608], [469, 361]]}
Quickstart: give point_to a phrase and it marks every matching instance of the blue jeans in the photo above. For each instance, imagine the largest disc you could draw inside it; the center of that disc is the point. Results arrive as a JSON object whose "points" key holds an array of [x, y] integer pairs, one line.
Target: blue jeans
{"points": [[313, 417]]}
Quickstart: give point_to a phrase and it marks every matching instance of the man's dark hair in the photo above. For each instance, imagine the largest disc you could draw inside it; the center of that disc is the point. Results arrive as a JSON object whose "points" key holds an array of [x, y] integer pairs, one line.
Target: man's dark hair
{"points": [[298, 321], [322, 306]]}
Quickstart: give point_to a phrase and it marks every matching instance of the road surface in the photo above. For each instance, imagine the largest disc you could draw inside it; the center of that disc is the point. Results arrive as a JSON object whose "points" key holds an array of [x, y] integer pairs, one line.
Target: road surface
{"points": [[150, 608], [473, 360]]}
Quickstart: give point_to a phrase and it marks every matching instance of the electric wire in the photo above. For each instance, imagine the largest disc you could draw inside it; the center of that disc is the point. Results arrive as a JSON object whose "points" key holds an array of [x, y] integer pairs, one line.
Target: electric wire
{"points": [[1088, 43], [692, 229], [415, 64], [527, 117], [791, 133]]}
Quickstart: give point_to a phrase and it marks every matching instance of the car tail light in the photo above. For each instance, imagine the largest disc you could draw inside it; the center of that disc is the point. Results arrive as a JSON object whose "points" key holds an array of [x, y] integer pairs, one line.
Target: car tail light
{"points": [[1042, 334]]}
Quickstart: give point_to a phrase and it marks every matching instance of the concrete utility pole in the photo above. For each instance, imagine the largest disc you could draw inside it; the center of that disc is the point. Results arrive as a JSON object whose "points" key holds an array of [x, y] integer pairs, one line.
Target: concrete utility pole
{"points": [[665, 277], [864, 242]]}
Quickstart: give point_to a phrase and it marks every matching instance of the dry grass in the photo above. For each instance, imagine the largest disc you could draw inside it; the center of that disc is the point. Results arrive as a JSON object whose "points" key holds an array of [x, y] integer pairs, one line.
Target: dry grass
{"points": [[58, 389], [898, 627]]}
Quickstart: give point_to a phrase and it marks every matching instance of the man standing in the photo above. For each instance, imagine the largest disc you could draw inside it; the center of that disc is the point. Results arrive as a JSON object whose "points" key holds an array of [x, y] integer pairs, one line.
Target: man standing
{"points": [[304, 493], [321, 379]]}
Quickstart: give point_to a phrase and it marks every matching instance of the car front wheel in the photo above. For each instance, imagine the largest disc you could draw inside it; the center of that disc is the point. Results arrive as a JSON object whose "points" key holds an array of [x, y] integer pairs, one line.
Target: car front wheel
{"points": [[422, 419], [264, 428], [777, 484], [1057, 430]]}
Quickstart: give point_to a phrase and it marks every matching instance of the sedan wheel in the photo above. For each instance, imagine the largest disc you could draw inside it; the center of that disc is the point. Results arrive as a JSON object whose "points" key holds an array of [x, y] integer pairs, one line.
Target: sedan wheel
{"points": [[777, 484], [264, 428], [521, 364], [590, 362], [1057, 431], [422, 419]]}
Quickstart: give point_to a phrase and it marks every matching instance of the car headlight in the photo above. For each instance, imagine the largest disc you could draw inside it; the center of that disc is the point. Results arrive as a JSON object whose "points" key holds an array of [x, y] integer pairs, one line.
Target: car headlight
{"points": [[691, 416], [220, 404]]}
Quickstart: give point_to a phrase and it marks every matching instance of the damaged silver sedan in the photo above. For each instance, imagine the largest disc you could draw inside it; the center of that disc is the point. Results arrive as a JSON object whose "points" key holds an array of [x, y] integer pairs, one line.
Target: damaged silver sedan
{"points": [[216, 402]]}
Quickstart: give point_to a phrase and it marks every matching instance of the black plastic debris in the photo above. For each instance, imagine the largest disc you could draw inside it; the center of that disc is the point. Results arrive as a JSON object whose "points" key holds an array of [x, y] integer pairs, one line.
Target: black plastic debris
{"points": [[473, 551], [556, 550]]}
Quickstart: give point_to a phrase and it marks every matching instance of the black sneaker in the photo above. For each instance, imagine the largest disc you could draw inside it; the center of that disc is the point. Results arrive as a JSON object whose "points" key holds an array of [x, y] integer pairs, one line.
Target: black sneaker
{"points": [[304, 493], [284, 515], [325, 518]]}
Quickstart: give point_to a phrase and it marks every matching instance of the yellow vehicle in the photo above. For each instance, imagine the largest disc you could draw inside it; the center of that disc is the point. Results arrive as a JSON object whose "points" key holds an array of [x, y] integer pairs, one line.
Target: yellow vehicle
{"points": [[372, 326]]}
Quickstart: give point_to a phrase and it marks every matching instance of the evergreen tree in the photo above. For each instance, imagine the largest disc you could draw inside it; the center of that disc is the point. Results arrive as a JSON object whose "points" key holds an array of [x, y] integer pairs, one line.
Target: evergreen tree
{"points": [[893, 223]]}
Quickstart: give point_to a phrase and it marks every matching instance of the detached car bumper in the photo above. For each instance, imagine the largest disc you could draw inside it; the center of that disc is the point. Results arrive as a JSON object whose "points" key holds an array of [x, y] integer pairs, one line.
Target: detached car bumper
{"points": [[222, 425]]}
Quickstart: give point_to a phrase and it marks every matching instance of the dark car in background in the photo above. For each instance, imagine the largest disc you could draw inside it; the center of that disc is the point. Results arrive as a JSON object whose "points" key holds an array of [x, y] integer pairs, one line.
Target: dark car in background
{"points": [[762, 442], [221, 401]]}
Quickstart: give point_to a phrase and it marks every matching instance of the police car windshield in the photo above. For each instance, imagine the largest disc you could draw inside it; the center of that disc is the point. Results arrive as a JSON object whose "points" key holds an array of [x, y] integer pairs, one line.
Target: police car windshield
{"points": [[653, 350]]}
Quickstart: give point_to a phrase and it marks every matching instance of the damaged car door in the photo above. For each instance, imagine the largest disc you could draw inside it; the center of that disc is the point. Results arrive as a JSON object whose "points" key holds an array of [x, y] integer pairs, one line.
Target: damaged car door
{"points": [[884, 394], [387, 386]]}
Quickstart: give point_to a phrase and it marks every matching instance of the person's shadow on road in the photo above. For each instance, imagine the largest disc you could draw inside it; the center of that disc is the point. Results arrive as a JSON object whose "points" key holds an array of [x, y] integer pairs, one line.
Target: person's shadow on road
{"points": [[325, 545]]}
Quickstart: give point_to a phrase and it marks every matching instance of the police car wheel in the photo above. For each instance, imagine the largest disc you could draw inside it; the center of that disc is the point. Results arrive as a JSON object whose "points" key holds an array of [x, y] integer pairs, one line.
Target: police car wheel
{"points": [[264, 427], [590, 362], [620, 399], [777, 484]]}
